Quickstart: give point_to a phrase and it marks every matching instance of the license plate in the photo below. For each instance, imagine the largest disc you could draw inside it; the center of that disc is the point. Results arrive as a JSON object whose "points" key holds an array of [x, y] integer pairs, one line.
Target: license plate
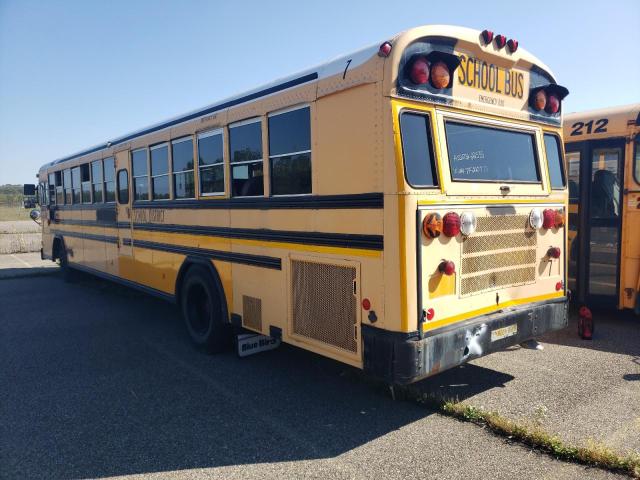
{"points": [[504, 332]]}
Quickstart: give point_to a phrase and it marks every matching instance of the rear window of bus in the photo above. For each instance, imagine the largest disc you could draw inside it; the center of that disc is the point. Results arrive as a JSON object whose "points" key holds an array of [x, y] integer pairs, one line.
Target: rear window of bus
{"points": [[489, 154]]}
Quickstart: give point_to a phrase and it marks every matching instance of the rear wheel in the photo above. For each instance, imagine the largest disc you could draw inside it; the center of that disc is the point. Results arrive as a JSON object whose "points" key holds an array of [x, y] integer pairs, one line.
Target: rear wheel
{"points": [[204, 312], [68, 274]]}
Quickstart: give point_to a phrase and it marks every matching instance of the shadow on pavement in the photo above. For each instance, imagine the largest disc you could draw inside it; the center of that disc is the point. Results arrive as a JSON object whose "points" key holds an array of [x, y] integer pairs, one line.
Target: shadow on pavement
{"points": [[103, 381]]}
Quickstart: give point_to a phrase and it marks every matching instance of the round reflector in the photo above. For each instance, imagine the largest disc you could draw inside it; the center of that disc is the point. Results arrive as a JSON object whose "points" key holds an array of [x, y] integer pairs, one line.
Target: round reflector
{"points": [[540, 100], [559, 286], [535, 218], [447, 267], [430, 313], [432, 225], [548, 218], [467, 223], [366, 303], [553, 252], [451, 224], [553, 104], [440, 76], [420, 71]]}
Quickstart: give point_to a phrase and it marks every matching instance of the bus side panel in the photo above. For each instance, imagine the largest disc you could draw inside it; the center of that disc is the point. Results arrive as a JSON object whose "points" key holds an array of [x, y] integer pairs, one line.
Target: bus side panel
{"points": [[630, 255]]}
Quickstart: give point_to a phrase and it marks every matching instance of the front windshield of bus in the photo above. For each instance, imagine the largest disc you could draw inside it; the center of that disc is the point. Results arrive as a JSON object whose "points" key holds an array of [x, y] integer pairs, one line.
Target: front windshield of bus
{"points": [[489, 154]]}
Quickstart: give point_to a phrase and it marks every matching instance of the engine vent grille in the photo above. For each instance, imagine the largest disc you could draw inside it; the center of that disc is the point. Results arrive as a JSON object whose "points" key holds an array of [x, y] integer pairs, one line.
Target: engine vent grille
{"points": [[323, 303], [252, 312], [502, 253]]}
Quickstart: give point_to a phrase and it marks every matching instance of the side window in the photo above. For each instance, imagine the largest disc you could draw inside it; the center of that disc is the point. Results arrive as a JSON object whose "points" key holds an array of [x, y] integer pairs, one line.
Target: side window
{"points": [[636, 162], [68, 193], [59, 189], [573, 167], [182, 162], [290, 152], [419, 167], [85, 177], [123, 187], [554, 160], [210, 163], [245, 146], [140, 174], [109, 179], [160, 172], [97, 179], [75, 184], [52, 189]]}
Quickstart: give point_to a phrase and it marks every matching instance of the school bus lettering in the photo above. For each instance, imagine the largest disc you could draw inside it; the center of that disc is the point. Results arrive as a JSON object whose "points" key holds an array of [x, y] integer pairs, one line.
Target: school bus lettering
{"points": [[476, 73]]}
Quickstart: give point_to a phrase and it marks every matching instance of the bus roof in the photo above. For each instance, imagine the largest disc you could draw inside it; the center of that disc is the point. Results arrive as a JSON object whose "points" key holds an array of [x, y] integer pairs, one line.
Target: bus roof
{"points": [[310, 75], [618, 121]]}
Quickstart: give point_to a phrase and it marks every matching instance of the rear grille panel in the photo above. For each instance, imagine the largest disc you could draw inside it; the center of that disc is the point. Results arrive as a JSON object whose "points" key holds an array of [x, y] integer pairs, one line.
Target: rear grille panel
{"points": [[252, 312], [502, 253], [323, 303]]}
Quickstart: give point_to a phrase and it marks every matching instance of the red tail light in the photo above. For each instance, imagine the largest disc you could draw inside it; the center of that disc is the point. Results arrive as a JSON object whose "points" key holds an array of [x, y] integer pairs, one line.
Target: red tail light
{"points": [[447, 267], [440, 76], [385, 49], [553, 252], [559, 286], [559, 219], [430, 313], [512, 45], [553, 104], [548, 218], [501, 41], [420, 71], [366, 303], [451, 224]]}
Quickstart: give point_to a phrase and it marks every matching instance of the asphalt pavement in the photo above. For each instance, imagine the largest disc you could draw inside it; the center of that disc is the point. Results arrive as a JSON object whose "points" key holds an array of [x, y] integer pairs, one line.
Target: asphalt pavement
{"points": [[102, 381]]}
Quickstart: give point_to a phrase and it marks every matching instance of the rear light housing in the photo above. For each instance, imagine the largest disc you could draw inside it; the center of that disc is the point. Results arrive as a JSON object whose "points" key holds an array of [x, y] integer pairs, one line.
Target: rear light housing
{"points": [[432, 225], [535, 218], [487, 36], [447, 267], [553, 104], [554, 252], [440, 76], [468, 223], [419, 71], [547, 98], [451, 224], [559, 219], [384, 50], [548, 218], [540, 100]]}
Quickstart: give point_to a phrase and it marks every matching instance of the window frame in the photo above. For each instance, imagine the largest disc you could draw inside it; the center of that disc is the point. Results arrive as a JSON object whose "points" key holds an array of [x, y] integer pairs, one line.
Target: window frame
{"points": [[434, 160], [173, 173], [83, 186], [100, 182], [207, 134], [51, 187], [636, 160], [563, 172], [118, 187], [67, 188], [168, 174], [242, 123], [269, 156], [75, 187], [114, 181], [134, 176], [533, 132]]}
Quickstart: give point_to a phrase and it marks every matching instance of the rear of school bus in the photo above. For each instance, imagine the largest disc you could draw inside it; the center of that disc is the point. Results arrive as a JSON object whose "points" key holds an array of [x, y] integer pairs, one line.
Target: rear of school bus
{"points": [[475, 237]]}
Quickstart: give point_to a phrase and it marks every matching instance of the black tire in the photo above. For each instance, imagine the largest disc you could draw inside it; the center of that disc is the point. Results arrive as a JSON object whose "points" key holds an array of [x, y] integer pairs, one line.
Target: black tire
{"points": [[68, 273], [204, 311]]}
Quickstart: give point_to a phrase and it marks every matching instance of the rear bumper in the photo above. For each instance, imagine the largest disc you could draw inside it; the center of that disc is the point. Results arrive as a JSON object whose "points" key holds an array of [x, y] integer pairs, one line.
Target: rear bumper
{"points": [[402, 358]]}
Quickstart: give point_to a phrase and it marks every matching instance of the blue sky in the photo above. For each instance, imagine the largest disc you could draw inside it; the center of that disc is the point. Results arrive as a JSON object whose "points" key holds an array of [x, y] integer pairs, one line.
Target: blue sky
{"points": [[75, 73]]}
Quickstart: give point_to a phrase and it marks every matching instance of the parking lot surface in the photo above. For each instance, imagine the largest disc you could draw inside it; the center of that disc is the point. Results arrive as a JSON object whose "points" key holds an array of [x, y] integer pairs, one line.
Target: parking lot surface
{"points": [[102, 381]]}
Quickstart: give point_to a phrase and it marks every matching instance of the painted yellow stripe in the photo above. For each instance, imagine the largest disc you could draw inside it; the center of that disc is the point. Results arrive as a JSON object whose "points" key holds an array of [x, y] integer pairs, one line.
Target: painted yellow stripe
{"points": [[495, 201], [482, 311]]}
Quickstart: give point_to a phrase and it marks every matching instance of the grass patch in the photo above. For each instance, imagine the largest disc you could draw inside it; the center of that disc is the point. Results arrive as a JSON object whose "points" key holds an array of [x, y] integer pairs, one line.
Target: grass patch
{"points": [[13, 213], [531, 433]]}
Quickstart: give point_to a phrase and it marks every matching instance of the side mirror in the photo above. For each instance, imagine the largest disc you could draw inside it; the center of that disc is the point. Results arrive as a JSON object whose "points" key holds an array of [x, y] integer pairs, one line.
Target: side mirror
{"points": [[28, 190], [35, 215]]}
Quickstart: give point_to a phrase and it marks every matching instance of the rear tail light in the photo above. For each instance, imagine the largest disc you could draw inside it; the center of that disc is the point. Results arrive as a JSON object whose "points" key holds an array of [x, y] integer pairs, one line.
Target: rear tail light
{"points": [[512, 45], [553, 104], [440, 76], [559, 219], [501, 41], [432, 225], [553, 252], [385, 49], [451, 224], [540, 100], [447, 267], [548, 218], [535, 218], [366, 303], [420, 71], [559, 286]]}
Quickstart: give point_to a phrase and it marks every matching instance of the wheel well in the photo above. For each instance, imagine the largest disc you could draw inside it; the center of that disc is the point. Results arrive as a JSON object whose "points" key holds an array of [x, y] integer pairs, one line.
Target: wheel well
{"points": [[182, 275], [58, 243]]}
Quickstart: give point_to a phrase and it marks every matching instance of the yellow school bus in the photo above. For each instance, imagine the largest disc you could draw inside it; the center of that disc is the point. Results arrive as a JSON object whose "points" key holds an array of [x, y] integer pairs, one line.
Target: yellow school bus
{"points": [[604, 205], [399, 209]]}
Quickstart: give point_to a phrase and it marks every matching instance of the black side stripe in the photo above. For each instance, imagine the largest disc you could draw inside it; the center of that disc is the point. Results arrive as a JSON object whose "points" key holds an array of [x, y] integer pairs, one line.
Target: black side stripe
{"points": [[87, 236], [312, 202], [346, 240], [205, 111], [233, 257], [89, 223]]}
